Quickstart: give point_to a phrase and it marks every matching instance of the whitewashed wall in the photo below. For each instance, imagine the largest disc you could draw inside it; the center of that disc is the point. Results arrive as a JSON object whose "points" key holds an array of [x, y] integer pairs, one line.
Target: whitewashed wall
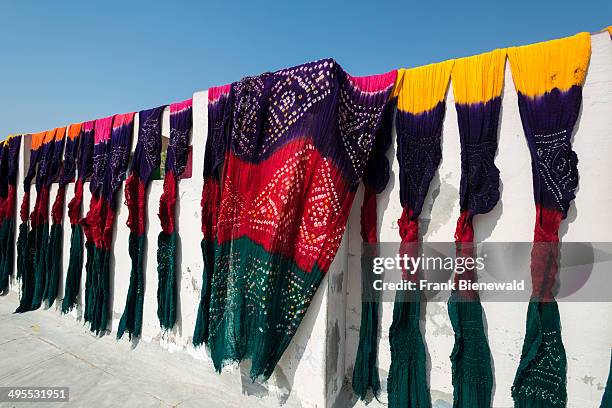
{"points": [[319, 361]]}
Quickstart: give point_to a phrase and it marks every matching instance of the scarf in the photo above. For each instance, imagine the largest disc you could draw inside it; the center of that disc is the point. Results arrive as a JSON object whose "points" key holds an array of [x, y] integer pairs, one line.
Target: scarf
{"points": [[548, 78], [375, 179], [52, 262], [421, 108], [112, 144], [176, 160], [303, 135], [8, 200], [477, 85], [84, 143], [147, 158]]}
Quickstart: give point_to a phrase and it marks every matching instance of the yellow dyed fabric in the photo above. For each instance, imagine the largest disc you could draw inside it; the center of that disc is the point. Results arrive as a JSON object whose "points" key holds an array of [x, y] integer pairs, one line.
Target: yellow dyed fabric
{"points": [[479, 78], [420, 89], [540, 68]]}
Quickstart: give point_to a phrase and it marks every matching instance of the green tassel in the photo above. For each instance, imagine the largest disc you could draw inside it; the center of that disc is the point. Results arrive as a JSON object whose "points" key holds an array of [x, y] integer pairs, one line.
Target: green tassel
{"points": [[54, 263], [90, 251], [25, 267], [75, 269], [200, 334], [606, 401], [131, 320], [7, 253], [407, 381], [365, 373], [98, 299], [541, 377], [41, 243], [471, 356], [166, 273]]}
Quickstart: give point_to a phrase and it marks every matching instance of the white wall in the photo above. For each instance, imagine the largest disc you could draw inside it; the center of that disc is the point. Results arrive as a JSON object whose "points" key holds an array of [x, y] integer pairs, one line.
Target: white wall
{"points": [[325, 345]]}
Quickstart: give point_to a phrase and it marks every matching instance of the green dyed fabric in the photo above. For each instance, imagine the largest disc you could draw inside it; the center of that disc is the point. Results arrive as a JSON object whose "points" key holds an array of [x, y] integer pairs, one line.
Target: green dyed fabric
{"points": [[407, 381], [365, 372], [97, 304], [541, 377], [53, 263], [7, 254], [25, 267], [90, 250], [471, 356], [200, 334], [166, 274], [41, 244], [256, 315], [131, 320], [606, 401], [75, 270]]}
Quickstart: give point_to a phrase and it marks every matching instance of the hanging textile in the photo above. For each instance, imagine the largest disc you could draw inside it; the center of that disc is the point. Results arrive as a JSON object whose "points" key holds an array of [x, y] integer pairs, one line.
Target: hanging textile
{"points": [[81, 151], [610, 30], [25, 239], [606, 400], [303, 135], [112, 144], [147, 158], [176, 161], [8, 191], [548, 78], [52, 261], [375, 179], [477, 85], [421, 108]]}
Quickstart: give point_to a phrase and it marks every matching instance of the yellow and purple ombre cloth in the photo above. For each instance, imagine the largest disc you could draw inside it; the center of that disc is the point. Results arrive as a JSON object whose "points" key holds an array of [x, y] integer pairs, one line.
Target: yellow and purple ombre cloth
{"points": [[477, 86], [111, 151], [147, 158], [303, 135], [176, 161], [78, 155], [548, 78], [8, 200], [421, 107]]}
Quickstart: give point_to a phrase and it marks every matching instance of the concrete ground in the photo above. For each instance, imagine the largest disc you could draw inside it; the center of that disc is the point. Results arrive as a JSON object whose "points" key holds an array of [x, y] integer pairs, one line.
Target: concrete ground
{"points": [[43, 349]]}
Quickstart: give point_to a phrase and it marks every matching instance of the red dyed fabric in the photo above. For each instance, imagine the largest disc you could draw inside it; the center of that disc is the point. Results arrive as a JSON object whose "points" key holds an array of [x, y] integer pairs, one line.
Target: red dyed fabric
{"points": [[167, 203], [74, 206], [40, 214], [25, 207], [368, 216], [58, 206], [135, 202]]}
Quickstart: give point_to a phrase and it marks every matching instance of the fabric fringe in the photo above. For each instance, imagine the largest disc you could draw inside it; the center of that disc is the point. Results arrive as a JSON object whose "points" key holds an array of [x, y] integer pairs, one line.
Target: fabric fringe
{"points": [[167, 285], [541, 377], [25, 267], [131, 320], [75, 268], [53, 263], [201, 331], [98, 299], [471, 357]]}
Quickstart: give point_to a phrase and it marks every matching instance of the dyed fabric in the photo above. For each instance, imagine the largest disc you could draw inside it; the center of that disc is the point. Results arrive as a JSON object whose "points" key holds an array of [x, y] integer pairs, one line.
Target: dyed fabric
{"points": [[606, 400], [477, 86], [52, 263], [303, 135], [421, 108], [548, 78], [176, 161], [7, 209], [78, 156], [112, 142], [375, 179], [25, 239], [147, 157]]}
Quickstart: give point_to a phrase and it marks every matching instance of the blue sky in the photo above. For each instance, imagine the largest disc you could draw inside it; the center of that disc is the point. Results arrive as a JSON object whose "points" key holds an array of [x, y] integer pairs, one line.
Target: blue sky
{"points": [[68, 61]]}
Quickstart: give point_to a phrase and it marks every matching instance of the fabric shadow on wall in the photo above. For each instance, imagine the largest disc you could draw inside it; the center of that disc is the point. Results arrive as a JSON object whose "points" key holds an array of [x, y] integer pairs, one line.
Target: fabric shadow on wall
{"points": [[303, 135], [548, 78]]}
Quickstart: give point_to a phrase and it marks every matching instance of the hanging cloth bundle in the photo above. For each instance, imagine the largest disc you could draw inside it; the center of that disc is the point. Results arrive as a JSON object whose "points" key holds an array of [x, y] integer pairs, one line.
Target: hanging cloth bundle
{"points": [[25, 239], [10, 166], [303, 135], [112, 144], [147, 158], [548, 78], [83, 156], [52, 263], [477, 85], [176, 161], [375, 179], [421, 108]]}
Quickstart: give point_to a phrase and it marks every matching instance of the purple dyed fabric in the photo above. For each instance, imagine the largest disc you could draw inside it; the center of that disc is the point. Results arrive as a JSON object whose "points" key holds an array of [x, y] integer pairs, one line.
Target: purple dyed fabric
{"points": [[55, 164], [147, 155], [85, 155], [119, 154], [178, 148], [46, 167], [13, 157], [69, 165], [419, 154], [377, 171]]}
